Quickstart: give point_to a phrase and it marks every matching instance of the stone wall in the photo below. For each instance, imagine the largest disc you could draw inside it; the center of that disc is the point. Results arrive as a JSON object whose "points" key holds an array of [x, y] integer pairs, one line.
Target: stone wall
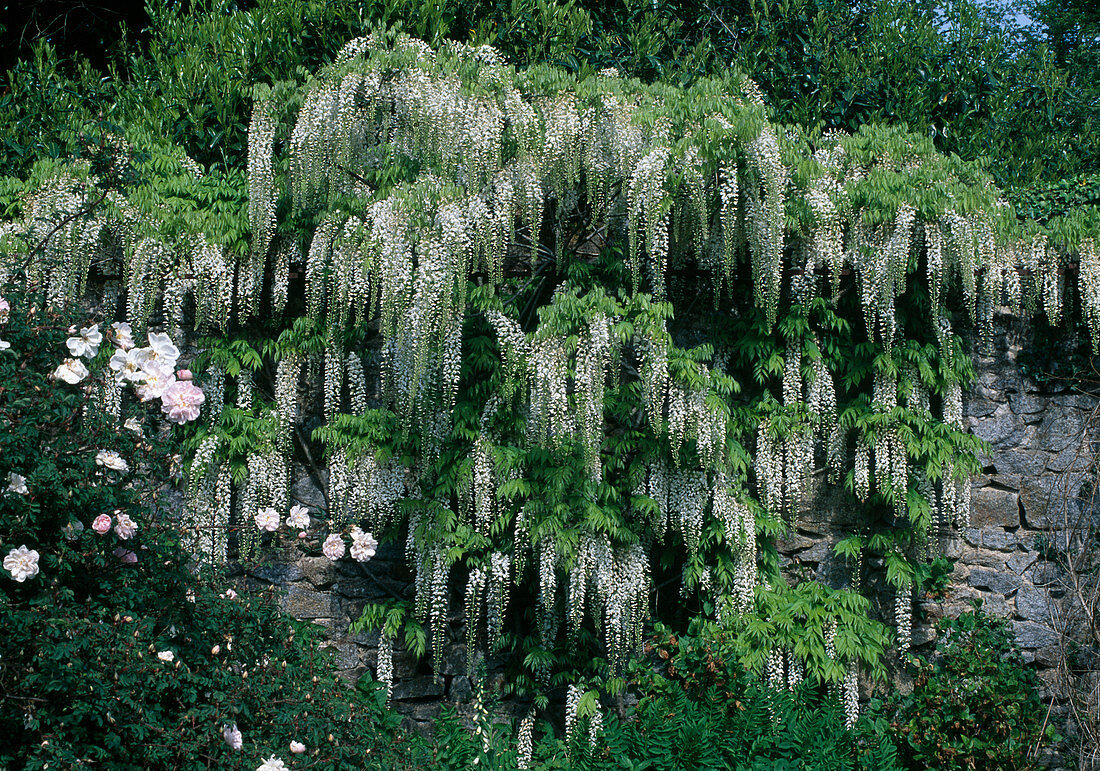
{"points": [[1041, 455]]}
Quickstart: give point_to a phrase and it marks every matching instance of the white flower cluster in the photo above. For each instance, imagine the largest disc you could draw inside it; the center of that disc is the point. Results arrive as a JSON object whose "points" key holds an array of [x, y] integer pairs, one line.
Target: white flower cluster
{"points": [[525, 740], [903, 615], [384, 669], [766, 218], [261, 179], [572, 704], [851, 695]]}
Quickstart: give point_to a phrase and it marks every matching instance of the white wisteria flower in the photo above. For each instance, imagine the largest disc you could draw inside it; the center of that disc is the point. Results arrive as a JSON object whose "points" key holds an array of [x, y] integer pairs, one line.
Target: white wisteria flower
{"points": [[72, 371], [17, 483], [272, 764], [232, 734], [333, 547], [166, 656], [112, 460], [85, 344], [363, 545], [22, 563], [132, 424], [267, 520], [124, 336], [299, 517]]}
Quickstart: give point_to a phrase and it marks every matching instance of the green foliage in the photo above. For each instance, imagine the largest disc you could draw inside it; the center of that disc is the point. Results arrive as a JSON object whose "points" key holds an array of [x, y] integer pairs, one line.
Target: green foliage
{"points": [[706, 711], [975, 703]]}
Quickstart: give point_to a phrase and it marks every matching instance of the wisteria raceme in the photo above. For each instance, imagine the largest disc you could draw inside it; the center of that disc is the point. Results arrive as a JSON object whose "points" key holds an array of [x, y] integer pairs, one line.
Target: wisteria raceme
{"points": [[903, 615], [496, 598], [572, 704], [862, 471], [475, 598], [483, 486], [766, 219], [851, 695], [287, 373], [244, 390], [525, 740], [792, 374], [774, 671], [796, 670], [384, 669]]}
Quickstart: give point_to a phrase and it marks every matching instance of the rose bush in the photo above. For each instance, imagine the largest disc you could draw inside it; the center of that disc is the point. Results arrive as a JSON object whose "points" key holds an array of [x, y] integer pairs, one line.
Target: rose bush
{"points": [[114, 653]]}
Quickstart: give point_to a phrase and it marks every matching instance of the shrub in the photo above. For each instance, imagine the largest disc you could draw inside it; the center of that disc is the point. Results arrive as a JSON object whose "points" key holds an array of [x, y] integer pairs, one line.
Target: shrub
{"points": [[706, 711], [114, 653], [974, 705]]}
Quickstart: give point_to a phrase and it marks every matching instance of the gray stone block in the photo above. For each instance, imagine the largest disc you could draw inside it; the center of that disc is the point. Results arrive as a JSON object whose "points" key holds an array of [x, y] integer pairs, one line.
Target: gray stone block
{"points": [[999, 540], [1025, 403], [1034, 604], [1025, 462], [1002, 429], [279, 573], [1021, 561], [980, 558], [1073, 458], [320, 571], [421, 687], [999, 582], [992, 507], [1031, 635], [979, 407], [303, 603]]}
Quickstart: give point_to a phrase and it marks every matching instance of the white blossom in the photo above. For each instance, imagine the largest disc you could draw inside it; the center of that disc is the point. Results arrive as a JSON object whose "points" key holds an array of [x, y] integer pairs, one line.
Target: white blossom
{"points": [[299, 517], [72, 371], [22, 563], [17, 483], [85, 344], [231, 733], [363, 545], [267, 520], [333, 547], [111, 460]]}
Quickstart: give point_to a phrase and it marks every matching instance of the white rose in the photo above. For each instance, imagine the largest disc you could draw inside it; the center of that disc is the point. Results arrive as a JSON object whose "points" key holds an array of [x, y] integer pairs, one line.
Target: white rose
{"points": [[22, 563], [86, 343], [17, 483], [333, 547], [267, 520], [166, 656], [72, 371], [299, 517], [112, 460]]}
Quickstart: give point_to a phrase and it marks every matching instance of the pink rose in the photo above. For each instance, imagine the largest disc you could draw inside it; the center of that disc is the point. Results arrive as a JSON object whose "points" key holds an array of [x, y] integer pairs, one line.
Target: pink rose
{"points": [[101, 524], [181, 401], [183, 374]]}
